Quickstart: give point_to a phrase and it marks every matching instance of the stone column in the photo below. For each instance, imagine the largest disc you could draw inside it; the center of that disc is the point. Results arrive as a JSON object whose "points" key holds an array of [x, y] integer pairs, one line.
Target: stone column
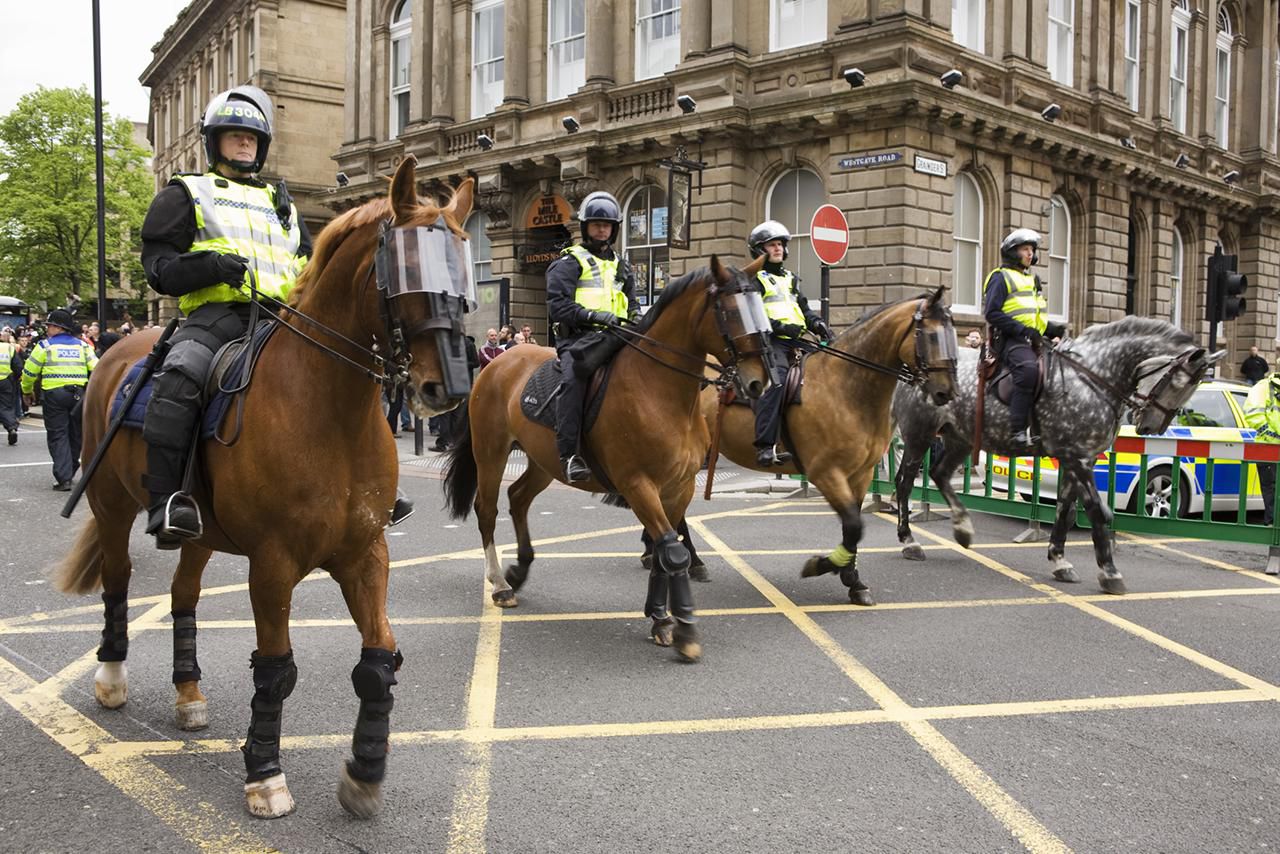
{"points": [[441, 71], [420, 72], [516, 50], [600, 70], [695, 28], [353, 77], [729, 29]]}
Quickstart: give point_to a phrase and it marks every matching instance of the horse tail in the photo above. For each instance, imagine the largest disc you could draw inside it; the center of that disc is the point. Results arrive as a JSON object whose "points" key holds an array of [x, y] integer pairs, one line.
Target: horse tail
{"points": [[460, 479], [81, 570]]}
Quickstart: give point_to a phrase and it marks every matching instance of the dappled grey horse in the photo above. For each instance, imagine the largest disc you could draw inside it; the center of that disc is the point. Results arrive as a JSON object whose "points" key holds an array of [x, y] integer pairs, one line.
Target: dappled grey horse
{"points": [[1140, 364]]}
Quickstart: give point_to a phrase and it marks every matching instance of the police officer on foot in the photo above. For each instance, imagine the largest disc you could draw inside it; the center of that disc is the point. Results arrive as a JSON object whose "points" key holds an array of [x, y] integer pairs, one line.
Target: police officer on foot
{"points": [[8, 398], [1017, 312], [790, 316], [1262, 413], [62, 363], [205, 239], [588, 288]]}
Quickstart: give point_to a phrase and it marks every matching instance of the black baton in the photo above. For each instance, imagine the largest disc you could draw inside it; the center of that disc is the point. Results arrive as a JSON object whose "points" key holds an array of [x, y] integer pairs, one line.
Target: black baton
{"points": [[154, 358]]}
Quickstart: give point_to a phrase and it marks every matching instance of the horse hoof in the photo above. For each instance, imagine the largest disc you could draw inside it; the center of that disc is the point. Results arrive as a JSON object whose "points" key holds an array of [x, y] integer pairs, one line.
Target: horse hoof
{"points": [[268, 798], [963, 533], [913, 551], [698, 572], [360, 799], [646, 561], [861, 596], [815, 566], [111, 684], [1066, 574], [516, 576], [1112, 584], [505, 599], [686, 642], [193, 716], [662, 631]]}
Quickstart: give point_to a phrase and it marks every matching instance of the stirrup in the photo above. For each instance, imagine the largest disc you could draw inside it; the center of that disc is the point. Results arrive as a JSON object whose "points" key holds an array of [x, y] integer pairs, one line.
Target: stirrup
{"points": [[168, 529], [402, 510], [575, 468]]}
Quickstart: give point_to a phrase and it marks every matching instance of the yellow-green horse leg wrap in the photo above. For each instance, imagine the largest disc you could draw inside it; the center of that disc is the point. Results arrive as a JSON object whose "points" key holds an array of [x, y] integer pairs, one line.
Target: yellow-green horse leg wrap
{"points": [[841, 557]]}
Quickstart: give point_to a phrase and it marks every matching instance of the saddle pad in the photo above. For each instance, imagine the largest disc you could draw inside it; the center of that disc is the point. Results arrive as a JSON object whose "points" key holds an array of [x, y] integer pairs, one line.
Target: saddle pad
{"points": [[214, 409], [539, 401]]}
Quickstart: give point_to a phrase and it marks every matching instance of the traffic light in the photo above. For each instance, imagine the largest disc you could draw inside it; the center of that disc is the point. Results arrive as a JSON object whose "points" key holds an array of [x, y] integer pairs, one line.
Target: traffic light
{"points": [[1226, 300]]}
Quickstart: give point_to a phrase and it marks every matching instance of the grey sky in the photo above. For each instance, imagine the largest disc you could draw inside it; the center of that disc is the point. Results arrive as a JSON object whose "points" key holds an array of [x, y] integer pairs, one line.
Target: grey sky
{"points": [[51, 44]]}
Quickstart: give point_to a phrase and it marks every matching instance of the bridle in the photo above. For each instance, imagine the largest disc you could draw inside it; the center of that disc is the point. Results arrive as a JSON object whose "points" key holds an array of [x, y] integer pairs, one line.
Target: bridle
{"points": [[1137, 401], [916, 375]]}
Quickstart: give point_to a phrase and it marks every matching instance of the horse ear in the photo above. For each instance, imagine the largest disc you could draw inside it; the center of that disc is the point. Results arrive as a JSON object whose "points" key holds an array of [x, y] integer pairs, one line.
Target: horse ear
{"points": [[754, 267], [720, 272], [459, 207], [404, 191], [937, 295]]}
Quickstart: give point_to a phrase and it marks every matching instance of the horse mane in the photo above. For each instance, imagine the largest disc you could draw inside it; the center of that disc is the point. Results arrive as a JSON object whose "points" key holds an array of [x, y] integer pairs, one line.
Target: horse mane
{"points": [[348, 223], [670, 294], [1134, 326], [883, 307]]}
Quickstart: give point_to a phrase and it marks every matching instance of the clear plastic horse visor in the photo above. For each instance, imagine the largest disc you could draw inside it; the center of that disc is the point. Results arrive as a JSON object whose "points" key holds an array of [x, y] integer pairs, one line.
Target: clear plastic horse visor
{"points": [[744, 315], [938, 345], [426, 260]]}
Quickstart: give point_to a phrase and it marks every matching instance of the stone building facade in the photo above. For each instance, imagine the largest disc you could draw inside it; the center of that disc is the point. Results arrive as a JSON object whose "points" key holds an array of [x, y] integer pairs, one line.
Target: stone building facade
{"points": [[1158, 101], [292, 49]]}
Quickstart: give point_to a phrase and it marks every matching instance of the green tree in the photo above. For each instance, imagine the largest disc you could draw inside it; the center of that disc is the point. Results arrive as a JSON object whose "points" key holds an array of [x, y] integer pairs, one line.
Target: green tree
{"points": [[48, 199]]}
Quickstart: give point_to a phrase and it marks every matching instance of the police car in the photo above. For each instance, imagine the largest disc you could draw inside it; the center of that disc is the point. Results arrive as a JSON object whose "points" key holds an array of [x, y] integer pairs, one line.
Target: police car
{"points": [[1215, 413]]}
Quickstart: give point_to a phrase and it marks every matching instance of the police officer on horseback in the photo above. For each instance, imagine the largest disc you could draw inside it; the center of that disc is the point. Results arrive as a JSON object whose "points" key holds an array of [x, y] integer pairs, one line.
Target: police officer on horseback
{"points": [[205, 240], [790, 316], [1017, 311], [589, 287]]}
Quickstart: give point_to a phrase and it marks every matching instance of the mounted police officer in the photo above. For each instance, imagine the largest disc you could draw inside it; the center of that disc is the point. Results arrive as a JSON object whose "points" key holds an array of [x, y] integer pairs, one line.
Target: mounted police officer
{"points": [[202, 238], [1017, 315], [790, 316], [589, 287], [62, 363]]}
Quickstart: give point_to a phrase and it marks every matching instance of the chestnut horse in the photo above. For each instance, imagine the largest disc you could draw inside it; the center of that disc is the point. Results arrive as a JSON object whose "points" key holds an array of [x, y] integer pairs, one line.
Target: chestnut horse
{"points": [[842, 427], [654, 388], [313, 429]]}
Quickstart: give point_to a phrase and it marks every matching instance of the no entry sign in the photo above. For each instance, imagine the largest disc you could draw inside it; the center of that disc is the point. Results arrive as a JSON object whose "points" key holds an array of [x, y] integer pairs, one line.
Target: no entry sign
{"points": [[829, 234]]}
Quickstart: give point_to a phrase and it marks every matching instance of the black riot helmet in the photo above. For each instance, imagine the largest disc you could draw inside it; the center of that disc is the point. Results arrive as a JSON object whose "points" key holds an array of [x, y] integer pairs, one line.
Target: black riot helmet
{"points": [[245, 108], [600, 207], [768, 230], [1020, 237]]}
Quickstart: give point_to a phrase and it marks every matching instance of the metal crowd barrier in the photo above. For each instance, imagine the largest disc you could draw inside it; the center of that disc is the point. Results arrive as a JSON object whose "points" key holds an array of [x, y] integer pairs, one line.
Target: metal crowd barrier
{"points": [[986, 491]]}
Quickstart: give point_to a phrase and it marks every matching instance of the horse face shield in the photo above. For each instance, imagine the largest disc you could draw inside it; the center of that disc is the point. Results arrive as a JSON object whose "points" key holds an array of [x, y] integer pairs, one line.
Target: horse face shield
{"points": [[936, 356], [745, 327], [424, 276]]}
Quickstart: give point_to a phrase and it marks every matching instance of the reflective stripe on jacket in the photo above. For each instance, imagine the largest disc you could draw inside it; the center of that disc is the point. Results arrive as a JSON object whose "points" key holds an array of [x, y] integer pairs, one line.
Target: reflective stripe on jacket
{"points": [[58, 361], [6, 357], [1025, 303], [240, 219], [780, 302], [1262, 410], [599, 288]]}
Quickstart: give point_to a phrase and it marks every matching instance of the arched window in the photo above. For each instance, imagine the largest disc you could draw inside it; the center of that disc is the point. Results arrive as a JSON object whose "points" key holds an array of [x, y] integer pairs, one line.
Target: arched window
{"points": [[1222, 91], [657, 37], [401, 51], [791, 201], [1132, 50], [966, 265], [481, 248], [968, 24], [644, 241], [488, 40], [1175, 279], [1062, 41], [1059, 252], [1178, 65]]}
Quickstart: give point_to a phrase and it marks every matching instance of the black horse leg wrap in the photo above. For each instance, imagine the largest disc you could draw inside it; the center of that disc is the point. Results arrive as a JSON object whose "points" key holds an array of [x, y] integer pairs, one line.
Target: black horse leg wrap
{"points": [[115, 630], [673, 558], [372, 679], [273, 679], [185, 666]]}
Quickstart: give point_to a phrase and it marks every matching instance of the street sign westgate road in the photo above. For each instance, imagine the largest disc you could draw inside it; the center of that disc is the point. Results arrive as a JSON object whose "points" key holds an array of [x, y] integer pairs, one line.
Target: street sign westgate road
{"points": [[829, 234]]}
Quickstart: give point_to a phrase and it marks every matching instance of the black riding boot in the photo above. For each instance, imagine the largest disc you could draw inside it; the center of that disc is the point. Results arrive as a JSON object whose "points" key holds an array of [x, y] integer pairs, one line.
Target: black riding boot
{"points": [[172, 517]]}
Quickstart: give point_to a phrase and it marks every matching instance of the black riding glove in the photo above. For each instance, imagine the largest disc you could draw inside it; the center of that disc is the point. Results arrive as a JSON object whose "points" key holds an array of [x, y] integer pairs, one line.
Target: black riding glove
{"points": [[605, 318], [823, 330], [788, 330], [231, 269], [1034, 338]]}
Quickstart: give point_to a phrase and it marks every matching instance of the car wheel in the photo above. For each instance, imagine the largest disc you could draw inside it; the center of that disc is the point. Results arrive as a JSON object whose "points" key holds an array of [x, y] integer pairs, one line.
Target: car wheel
{"points": [[1159, 497]]}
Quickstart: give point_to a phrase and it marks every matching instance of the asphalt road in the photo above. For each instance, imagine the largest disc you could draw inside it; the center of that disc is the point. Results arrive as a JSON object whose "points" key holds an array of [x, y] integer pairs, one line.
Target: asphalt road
{"points": [[978, 707]]}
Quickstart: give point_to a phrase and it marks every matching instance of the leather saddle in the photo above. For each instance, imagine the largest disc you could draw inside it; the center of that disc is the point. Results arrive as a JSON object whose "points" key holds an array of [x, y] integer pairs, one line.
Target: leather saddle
{"points": [[999, 379]]}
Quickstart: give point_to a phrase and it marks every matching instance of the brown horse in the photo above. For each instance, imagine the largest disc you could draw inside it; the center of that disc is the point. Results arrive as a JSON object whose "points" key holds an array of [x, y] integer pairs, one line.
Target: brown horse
{"points": [[312, 427], [842, 427], [655, 384]]}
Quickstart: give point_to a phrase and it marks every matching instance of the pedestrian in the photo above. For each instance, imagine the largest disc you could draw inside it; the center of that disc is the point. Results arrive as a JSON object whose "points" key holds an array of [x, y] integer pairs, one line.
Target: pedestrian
{"points": [[24, 349], [527, 332], [1017, 314], [62, 363], [518, 338], [974, 339], [8, 394], [1254, 367], [1262, 413], [790, 316], [589, 287], [505, 334], [491, 349], [202, 237]]}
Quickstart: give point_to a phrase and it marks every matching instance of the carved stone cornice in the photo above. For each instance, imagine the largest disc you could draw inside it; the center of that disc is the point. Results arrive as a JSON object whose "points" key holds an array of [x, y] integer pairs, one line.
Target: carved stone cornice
{"points": [[496, 203]]}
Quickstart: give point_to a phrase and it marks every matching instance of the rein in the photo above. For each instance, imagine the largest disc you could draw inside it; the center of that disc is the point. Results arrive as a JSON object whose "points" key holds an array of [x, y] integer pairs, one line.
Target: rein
{"points": [[904, 373], [1135, 400]]}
